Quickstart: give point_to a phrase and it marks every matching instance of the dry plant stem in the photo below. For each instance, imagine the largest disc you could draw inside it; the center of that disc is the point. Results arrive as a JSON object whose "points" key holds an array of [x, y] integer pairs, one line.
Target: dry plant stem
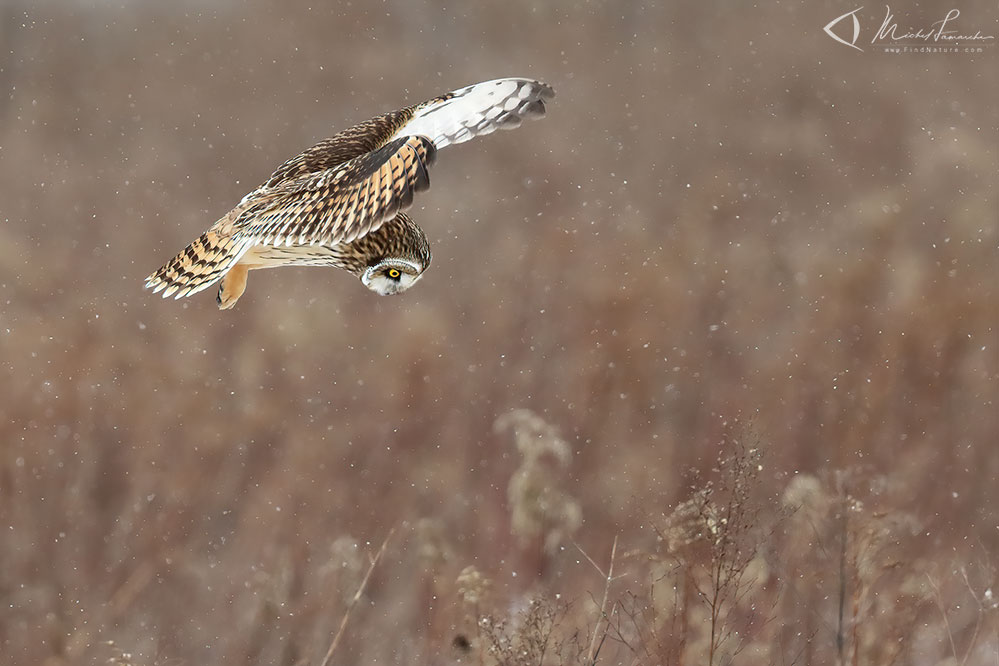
{"points": [[355, 599], [950, 633], [608, 577], [978, 617], [840, 639], [855, 619], [943, 613], [483, 641]]}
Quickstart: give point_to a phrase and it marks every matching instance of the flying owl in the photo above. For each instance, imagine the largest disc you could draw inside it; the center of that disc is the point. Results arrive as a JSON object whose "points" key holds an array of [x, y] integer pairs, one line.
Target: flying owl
{"points": [[340, 202]]}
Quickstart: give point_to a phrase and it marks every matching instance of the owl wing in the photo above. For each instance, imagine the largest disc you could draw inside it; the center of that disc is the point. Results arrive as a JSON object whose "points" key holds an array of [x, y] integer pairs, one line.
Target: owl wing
{"points": [[454, 117], [348, 185], [476, 110], [345, 145], [341, 204]]}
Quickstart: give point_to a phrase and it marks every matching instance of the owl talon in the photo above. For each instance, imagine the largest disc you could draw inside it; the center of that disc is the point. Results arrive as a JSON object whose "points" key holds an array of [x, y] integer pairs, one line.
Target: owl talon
{"points": [[232, 287]]}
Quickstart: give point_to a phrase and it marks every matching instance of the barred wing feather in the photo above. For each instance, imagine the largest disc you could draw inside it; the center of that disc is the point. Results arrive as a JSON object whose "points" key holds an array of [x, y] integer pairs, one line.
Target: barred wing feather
{"points": [[342, 204]]}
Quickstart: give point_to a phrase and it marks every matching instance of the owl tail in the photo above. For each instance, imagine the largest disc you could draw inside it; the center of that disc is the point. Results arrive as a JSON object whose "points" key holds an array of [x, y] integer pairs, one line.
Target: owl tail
{"points": [[202, 263]]}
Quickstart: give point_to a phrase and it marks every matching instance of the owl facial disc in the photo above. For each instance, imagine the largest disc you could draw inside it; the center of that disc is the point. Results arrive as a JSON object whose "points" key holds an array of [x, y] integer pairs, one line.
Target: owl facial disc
{"points": [[391, 276]]}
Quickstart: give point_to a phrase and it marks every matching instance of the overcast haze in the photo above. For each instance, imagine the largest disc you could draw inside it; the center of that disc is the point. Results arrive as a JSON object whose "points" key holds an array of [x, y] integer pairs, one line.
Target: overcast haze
{"points": [[730, 236]]}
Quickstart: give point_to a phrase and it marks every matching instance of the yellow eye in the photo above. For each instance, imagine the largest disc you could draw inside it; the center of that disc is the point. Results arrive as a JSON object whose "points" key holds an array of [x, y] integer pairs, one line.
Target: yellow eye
{"points": [[394, 273]]}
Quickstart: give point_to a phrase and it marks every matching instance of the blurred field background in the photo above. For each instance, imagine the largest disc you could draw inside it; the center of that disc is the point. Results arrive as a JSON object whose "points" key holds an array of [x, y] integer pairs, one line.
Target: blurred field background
{"points": [[733, 303]]}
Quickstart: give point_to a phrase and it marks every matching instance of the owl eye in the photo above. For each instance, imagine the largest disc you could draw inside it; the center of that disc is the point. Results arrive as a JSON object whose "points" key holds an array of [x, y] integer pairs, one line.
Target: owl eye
{"points": [[394, 273]]}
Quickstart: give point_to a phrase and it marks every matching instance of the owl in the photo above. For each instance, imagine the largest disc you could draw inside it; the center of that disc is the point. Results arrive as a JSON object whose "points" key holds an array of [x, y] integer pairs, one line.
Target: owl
{"points": [[340, 202]]}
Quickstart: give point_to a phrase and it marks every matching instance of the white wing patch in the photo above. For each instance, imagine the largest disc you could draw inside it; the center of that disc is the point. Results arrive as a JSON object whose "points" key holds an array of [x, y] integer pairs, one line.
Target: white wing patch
{"points": [[478, 109]]}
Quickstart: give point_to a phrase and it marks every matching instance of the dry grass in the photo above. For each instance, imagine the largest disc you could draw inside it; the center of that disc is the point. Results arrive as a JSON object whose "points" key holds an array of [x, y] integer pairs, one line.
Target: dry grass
{"points": [[729, 229]]}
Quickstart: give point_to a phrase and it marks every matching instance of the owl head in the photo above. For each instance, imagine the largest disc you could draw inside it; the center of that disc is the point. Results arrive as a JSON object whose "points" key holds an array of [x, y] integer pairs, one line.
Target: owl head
{"points": [[392, 276]]}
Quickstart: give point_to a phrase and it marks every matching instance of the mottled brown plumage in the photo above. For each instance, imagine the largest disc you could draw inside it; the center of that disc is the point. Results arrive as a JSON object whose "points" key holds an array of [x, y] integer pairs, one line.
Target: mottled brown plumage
{"points": [[339, 203], [344, 202], [345, 145]]}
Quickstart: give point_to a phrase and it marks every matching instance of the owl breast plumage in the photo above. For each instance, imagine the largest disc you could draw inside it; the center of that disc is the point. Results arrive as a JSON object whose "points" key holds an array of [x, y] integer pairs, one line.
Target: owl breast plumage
{"points": [[340, 202]]}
